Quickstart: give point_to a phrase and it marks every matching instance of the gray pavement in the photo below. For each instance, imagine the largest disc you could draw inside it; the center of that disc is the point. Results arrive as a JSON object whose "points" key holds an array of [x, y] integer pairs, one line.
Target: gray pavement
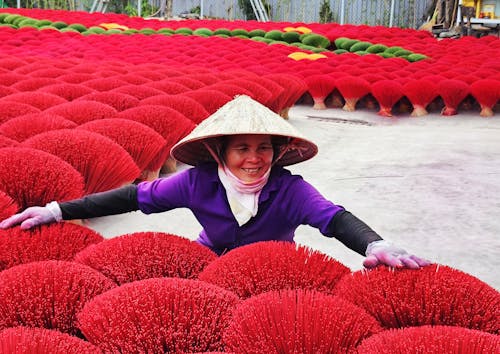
{"points": [[429, 184]]}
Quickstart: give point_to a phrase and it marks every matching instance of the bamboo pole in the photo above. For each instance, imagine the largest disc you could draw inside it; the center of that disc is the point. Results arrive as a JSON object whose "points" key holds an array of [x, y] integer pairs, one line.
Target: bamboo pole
{"points": [[391, 17], [342, 12]]}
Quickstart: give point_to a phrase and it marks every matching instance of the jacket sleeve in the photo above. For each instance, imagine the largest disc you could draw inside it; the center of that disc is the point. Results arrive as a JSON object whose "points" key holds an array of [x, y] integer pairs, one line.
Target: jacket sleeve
{"points": [[116, 201], [351, 231]]}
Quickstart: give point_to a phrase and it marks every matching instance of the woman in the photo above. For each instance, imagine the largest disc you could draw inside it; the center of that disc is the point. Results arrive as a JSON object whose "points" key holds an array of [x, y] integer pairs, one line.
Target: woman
{"points": [[238, 190]]}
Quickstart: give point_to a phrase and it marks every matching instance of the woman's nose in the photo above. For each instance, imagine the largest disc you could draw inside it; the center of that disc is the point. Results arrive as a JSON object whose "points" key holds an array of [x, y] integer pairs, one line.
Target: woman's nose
{"points": [[253, 156]]}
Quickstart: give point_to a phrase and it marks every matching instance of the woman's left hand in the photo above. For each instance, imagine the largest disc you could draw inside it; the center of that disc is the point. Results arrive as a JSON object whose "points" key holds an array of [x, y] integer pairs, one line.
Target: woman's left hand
{"points": [[384, 253]]}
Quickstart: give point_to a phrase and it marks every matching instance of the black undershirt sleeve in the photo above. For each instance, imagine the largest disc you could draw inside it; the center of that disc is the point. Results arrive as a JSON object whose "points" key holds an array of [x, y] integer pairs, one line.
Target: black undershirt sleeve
{"points": [[115, 201], [351, 231]]}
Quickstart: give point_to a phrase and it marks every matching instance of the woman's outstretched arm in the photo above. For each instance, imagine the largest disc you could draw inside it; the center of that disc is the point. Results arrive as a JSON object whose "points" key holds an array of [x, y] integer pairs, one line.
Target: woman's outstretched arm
{"points": [[115, 201]]}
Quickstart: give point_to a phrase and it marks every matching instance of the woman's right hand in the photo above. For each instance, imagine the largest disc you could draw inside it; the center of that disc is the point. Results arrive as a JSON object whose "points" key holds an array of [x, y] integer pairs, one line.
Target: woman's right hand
{"points": [[34, 216]]}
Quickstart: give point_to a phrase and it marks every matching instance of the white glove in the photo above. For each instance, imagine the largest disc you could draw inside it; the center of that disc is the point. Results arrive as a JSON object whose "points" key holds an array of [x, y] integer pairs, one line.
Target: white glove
{"points": [[383, 252], [34, 216]]}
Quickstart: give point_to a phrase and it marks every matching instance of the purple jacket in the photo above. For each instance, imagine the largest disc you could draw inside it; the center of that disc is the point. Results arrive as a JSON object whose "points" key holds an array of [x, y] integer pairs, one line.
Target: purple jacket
{"points": [[286, 202]]}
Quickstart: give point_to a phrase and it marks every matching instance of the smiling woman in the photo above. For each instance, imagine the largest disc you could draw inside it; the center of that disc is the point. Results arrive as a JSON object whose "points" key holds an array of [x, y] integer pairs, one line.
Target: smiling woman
{"points": [[238, 189], [245, 166], [249, 157]]}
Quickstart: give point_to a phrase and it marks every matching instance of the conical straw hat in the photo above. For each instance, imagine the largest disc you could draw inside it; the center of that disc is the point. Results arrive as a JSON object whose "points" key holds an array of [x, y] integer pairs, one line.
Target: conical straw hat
{"points": [[242, 115]]}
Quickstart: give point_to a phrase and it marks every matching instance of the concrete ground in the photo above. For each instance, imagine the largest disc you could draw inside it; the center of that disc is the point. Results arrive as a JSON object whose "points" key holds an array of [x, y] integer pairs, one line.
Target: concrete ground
{"points": [[429, 184]]}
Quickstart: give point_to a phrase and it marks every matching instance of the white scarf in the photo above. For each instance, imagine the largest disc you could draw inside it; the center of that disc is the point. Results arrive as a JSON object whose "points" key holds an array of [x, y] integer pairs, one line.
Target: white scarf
{"points": [[243, 197]]}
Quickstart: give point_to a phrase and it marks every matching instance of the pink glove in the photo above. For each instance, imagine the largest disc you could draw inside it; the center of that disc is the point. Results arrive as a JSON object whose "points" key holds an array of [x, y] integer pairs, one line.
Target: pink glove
{"points": [[34, 216], [383, 252]]}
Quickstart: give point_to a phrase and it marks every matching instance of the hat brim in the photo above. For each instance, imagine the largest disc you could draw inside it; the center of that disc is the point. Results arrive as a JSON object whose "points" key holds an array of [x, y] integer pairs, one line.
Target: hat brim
{"points": [[242, 115], [194, 152]]}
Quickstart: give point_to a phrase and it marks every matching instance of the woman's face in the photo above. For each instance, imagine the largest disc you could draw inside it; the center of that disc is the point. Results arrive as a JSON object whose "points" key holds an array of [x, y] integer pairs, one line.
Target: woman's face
{"points": [[249, 156]]}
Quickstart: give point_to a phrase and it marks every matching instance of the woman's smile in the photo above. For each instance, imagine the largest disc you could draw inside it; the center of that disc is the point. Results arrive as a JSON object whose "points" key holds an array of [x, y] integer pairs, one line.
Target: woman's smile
{"points": [[251, 170]]}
